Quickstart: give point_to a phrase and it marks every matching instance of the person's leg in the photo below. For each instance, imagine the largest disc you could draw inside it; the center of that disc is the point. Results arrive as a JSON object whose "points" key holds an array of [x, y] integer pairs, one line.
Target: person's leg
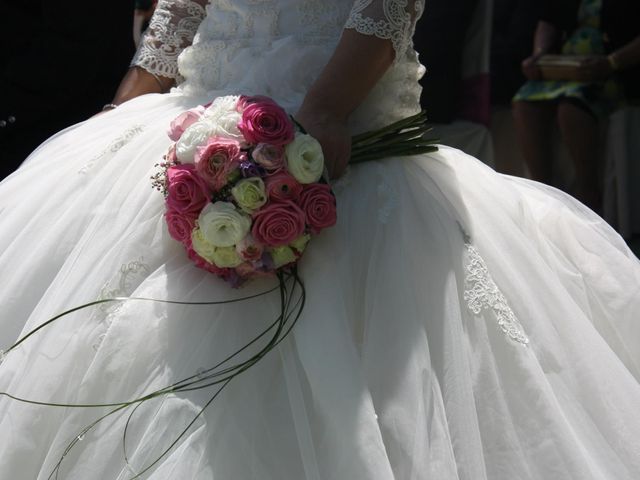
{"points": [[581, 134], [534, 121]]}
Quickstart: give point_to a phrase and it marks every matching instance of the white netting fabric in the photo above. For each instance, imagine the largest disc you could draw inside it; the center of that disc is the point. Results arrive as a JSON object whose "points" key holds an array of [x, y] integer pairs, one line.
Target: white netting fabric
{"points": [[171, 30], [393, 20]]}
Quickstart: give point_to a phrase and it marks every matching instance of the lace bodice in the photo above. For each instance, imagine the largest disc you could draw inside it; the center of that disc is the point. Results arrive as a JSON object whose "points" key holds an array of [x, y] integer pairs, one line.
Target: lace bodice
{"points": [[278, 47]]}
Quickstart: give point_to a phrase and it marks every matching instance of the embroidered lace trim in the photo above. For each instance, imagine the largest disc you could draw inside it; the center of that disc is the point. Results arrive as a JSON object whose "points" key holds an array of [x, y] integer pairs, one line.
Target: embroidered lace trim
{"points": [[114, 146], [171, 30], [482, 293], [393, 20]]}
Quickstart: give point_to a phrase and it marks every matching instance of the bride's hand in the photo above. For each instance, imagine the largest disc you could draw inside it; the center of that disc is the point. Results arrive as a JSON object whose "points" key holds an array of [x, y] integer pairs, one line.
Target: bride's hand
{"points": [[356, 65], [332, 133]]}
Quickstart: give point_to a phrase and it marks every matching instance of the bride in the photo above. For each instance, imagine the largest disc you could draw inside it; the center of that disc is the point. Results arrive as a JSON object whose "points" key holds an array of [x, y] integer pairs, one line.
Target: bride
{"points": [[459, 324]]}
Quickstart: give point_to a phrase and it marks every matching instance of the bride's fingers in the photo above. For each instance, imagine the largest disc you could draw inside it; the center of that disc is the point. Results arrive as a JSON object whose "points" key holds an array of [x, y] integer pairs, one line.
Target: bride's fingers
{"points": [[335, 140]]}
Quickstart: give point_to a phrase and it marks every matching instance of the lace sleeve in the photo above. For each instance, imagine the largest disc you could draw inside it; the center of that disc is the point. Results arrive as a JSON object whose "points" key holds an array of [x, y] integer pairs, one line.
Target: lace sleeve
{"points": [[171, 30], [393, 20]]}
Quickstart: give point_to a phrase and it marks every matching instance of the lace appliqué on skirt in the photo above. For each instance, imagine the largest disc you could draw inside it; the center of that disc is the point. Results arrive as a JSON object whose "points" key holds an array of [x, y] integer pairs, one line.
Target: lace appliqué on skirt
{"points": [[482, 293], [129, 277]]}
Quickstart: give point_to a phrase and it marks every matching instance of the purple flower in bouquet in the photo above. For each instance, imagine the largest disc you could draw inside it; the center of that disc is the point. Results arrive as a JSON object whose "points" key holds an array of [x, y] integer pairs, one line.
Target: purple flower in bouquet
{"points": [[250, 169]]}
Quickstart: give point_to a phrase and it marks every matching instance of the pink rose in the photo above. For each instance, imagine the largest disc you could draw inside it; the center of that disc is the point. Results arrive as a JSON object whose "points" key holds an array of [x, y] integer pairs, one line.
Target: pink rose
{"points": [[249, 250], [271, 157], [187, 194], [319, 206], [216, 159], [266, 122], [183, 121], [180, 225], [245, 270], [278, 224], [282, 186], [246, 100], [171, 157], [200, 262]]}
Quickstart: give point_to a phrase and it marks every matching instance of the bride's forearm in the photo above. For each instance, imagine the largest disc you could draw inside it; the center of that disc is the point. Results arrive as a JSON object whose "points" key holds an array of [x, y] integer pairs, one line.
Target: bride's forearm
{"points": [[138, 82], [355, 67]]}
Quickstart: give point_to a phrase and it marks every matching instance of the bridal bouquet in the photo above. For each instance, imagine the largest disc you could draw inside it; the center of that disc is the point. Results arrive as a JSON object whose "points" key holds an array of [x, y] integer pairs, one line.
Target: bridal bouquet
{"points": [[244, 186]]}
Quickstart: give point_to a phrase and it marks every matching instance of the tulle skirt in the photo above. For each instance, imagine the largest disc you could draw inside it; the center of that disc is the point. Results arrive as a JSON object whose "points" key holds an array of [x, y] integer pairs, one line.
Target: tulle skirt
{"points": [[459, 324]]}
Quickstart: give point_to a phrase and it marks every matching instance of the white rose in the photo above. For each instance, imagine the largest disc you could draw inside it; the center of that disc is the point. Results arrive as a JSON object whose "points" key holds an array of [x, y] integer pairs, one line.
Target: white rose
{"points": [[222, 257], [222, 105], [194, 136], [305, 160], [224, 117], [226, 125], [222, 225]]}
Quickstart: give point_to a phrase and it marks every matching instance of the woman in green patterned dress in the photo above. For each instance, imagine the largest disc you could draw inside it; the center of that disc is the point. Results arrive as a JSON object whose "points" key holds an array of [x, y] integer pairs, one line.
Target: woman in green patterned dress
{"points": [[605, 33]]}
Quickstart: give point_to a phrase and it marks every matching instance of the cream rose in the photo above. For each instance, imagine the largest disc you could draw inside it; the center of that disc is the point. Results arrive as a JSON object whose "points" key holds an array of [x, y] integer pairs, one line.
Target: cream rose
{"points": [[305, 160], [221, 257], [250, 193], [282, 256], [226, 257], [300, 243], [201, 246], [222, 225]]}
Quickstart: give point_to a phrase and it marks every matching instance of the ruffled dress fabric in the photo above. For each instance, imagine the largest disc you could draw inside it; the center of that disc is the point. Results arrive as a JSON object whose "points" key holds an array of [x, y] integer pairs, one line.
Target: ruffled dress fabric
{"points": [[399, 367]]}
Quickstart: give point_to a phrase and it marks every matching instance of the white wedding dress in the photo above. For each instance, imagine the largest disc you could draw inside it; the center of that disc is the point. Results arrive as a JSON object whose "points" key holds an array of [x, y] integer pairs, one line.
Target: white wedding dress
{"points": [[459, 324]]}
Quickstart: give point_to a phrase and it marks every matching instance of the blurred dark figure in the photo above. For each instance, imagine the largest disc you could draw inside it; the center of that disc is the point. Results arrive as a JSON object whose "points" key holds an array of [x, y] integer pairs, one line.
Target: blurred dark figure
{"points": [[60, 63], [514, 23], [607, 34], [440, 41]]}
